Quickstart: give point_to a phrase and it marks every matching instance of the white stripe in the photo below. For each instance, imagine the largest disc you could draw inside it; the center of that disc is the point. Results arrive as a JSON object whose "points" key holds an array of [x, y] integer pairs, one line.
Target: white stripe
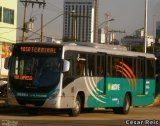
{"points": [[90, 91]]}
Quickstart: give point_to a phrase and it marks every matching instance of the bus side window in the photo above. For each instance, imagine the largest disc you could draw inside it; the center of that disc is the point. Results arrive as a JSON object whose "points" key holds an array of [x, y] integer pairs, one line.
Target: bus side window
{"points": [[69, 76], [91, 70], [109, 66], [80, 68], [115, 64], [81, 64], [150, 69], [140, 68], [128, 61]]}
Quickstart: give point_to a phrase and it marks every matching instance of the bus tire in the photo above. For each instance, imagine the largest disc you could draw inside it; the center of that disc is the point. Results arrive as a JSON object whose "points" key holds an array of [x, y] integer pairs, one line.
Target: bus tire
{"points": [[126, 106], [77, 107], [88, 110]]}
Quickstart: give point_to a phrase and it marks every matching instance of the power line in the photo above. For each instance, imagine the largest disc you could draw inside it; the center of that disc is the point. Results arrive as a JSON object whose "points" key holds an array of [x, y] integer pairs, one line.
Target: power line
{"points": [[33, 2], [52, 5], [46, 24], [54, 20], [10, 28], [21, 29], [26, 3], [7, 32], [7, 39]]}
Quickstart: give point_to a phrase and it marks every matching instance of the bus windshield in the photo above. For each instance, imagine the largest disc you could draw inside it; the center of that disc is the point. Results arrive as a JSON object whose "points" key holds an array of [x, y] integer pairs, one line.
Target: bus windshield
{"points": [[35, 73]]}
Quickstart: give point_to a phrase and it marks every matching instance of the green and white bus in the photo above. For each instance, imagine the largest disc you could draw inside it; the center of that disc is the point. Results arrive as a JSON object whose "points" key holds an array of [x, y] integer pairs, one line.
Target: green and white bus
{"points": [[76, 76]]}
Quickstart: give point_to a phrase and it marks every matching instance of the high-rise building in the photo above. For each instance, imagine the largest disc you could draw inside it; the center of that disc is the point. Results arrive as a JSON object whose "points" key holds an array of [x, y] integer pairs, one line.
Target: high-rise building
{"points": [[8, 25], [101, 35], [80, 20], [158, 29]]}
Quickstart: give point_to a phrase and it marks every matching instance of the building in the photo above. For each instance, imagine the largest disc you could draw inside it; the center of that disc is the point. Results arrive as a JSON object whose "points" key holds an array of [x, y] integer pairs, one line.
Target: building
{"points": [[8, 25], [132, 40], [140, 33], [158, 30], [80, 20], [101, 35], [137, 39]]}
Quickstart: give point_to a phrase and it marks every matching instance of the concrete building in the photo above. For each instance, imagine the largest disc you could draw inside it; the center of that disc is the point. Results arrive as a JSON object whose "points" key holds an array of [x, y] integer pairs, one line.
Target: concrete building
{"points": [[80, 19], [140, 33], [158, 30], [137, 39], [101, 35], [8, 25]]}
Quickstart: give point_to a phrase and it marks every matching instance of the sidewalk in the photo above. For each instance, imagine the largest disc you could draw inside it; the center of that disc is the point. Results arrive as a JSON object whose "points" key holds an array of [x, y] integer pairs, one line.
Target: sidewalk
{"points": [[156, 101]]}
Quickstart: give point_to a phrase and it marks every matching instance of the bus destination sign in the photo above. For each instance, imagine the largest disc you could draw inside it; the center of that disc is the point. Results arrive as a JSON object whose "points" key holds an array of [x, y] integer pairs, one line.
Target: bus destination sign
{"points": [[28, 49]]}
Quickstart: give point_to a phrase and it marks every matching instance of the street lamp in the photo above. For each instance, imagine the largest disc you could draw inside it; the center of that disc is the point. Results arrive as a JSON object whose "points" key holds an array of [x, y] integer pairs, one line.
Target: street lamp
{"points": [[106, 31], [112, 19]]}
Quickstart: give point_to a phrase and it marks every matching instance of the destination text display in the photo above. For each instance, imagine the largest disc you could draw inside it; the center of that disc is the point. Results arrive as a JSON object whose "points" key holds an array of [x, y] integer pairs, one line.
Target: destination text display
{"points": [[28, 49]]}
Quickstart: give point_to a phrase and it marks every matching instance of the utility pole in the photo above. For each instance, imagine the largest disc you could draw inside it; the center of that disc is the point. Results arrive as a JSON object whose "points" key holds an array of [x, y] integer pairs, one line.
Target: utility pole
{"points": [[26, 3], [95, 20], [24, 20], [145, 26], [108, 17], [41, 27]]}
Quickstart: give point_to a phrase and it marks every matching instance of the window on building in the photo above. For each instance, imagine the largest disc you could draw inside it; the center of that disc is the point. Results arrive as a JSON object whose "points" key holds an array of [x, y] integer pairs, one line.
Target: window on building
{"points": [[8, 16], [0, 14]]}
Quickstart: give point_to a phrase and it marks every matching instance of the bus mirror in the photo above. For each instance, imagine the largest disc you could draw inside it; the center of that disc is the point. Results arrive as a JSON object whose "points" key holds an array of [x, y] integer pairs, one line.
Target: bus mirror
{"points": [[66, 65], [6, 62]]}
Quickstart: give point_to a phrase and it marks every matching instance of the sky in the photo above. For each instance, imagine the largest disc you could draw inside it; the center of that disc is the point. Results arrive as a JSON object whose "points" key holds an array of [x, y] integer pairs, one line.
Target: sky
{"points": [[128, 15]]}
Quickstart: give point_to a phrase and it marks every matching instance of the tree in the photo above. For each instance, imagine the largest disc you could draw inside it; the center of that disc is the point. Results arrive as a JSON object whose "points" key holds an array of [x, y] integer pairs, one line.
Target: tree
{"points": [[137, 48], [67, 39]]}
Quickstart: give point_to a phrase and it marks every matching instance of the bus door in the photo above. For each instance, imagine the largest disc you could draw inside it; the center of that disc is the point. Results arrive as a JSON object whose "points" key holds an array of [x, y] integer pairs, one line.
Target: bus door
{"points": [[101, 72], [141, 75]]}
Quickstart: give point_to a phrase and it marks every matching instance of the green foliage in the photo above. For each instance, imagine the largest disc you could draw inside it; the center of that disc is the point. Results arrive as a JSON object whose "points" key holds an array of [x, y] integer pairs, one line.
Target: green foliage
{"points": [[67, 39], [137, 48], [150, 49]]}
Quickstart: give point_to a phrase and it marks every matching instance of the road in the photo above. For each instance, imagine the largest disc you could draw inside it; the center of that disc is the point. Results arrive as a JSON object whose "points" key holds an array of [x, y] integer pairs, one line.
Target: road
{"points": [[140, 115]]}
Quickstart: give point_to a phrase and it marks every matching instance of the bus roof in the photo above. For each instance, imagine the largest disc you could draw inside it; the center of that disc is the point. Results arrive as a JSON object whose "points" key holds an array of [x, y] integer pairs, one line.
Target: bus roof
{"points": [[94, 48], [104, 48]]}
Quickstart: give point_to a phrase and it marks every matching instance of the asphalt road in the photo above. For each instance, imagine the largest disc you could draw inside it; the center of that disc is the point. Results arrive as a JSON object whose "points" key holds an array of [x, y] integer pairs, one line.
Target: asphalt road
{"points": [[145, 116]]}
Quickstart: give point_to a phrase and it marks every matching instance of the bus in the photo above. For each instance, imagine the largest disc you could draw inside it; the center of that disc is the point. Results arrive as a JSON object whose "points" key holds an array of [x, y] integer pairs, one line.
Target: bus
{"points": [[79, 76]]}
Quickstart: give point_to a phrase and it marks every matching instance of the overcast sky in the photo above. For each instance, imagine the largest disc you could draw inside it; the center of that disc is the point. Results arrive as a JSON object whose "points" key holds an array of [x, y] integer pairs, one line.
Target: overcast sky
{"points": [[129, 15]]}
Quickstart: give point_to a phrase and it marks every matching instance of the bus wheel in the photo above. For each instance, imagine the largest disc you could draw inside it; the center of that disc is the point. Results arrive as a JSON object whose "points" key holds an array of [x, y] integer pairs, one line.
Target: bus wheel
{"points": [[77, 107], [88, 110], [125, 108]]}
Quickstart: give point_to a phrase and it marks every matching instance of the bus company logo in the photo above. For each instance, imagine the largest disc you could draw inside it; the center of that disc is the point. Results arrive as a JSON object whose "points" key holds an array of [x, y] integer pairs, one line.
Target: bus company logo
{"points": [[127, 72], [113, 87]]}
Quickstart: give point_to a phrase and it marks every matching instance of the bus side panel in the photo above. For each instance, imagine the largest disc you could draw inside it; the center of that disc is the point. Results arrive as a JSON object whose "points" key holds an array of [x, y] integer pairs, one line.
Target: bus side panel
{"points": [[111, 94], [70, 91], [115, 90], [148, 96]]}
